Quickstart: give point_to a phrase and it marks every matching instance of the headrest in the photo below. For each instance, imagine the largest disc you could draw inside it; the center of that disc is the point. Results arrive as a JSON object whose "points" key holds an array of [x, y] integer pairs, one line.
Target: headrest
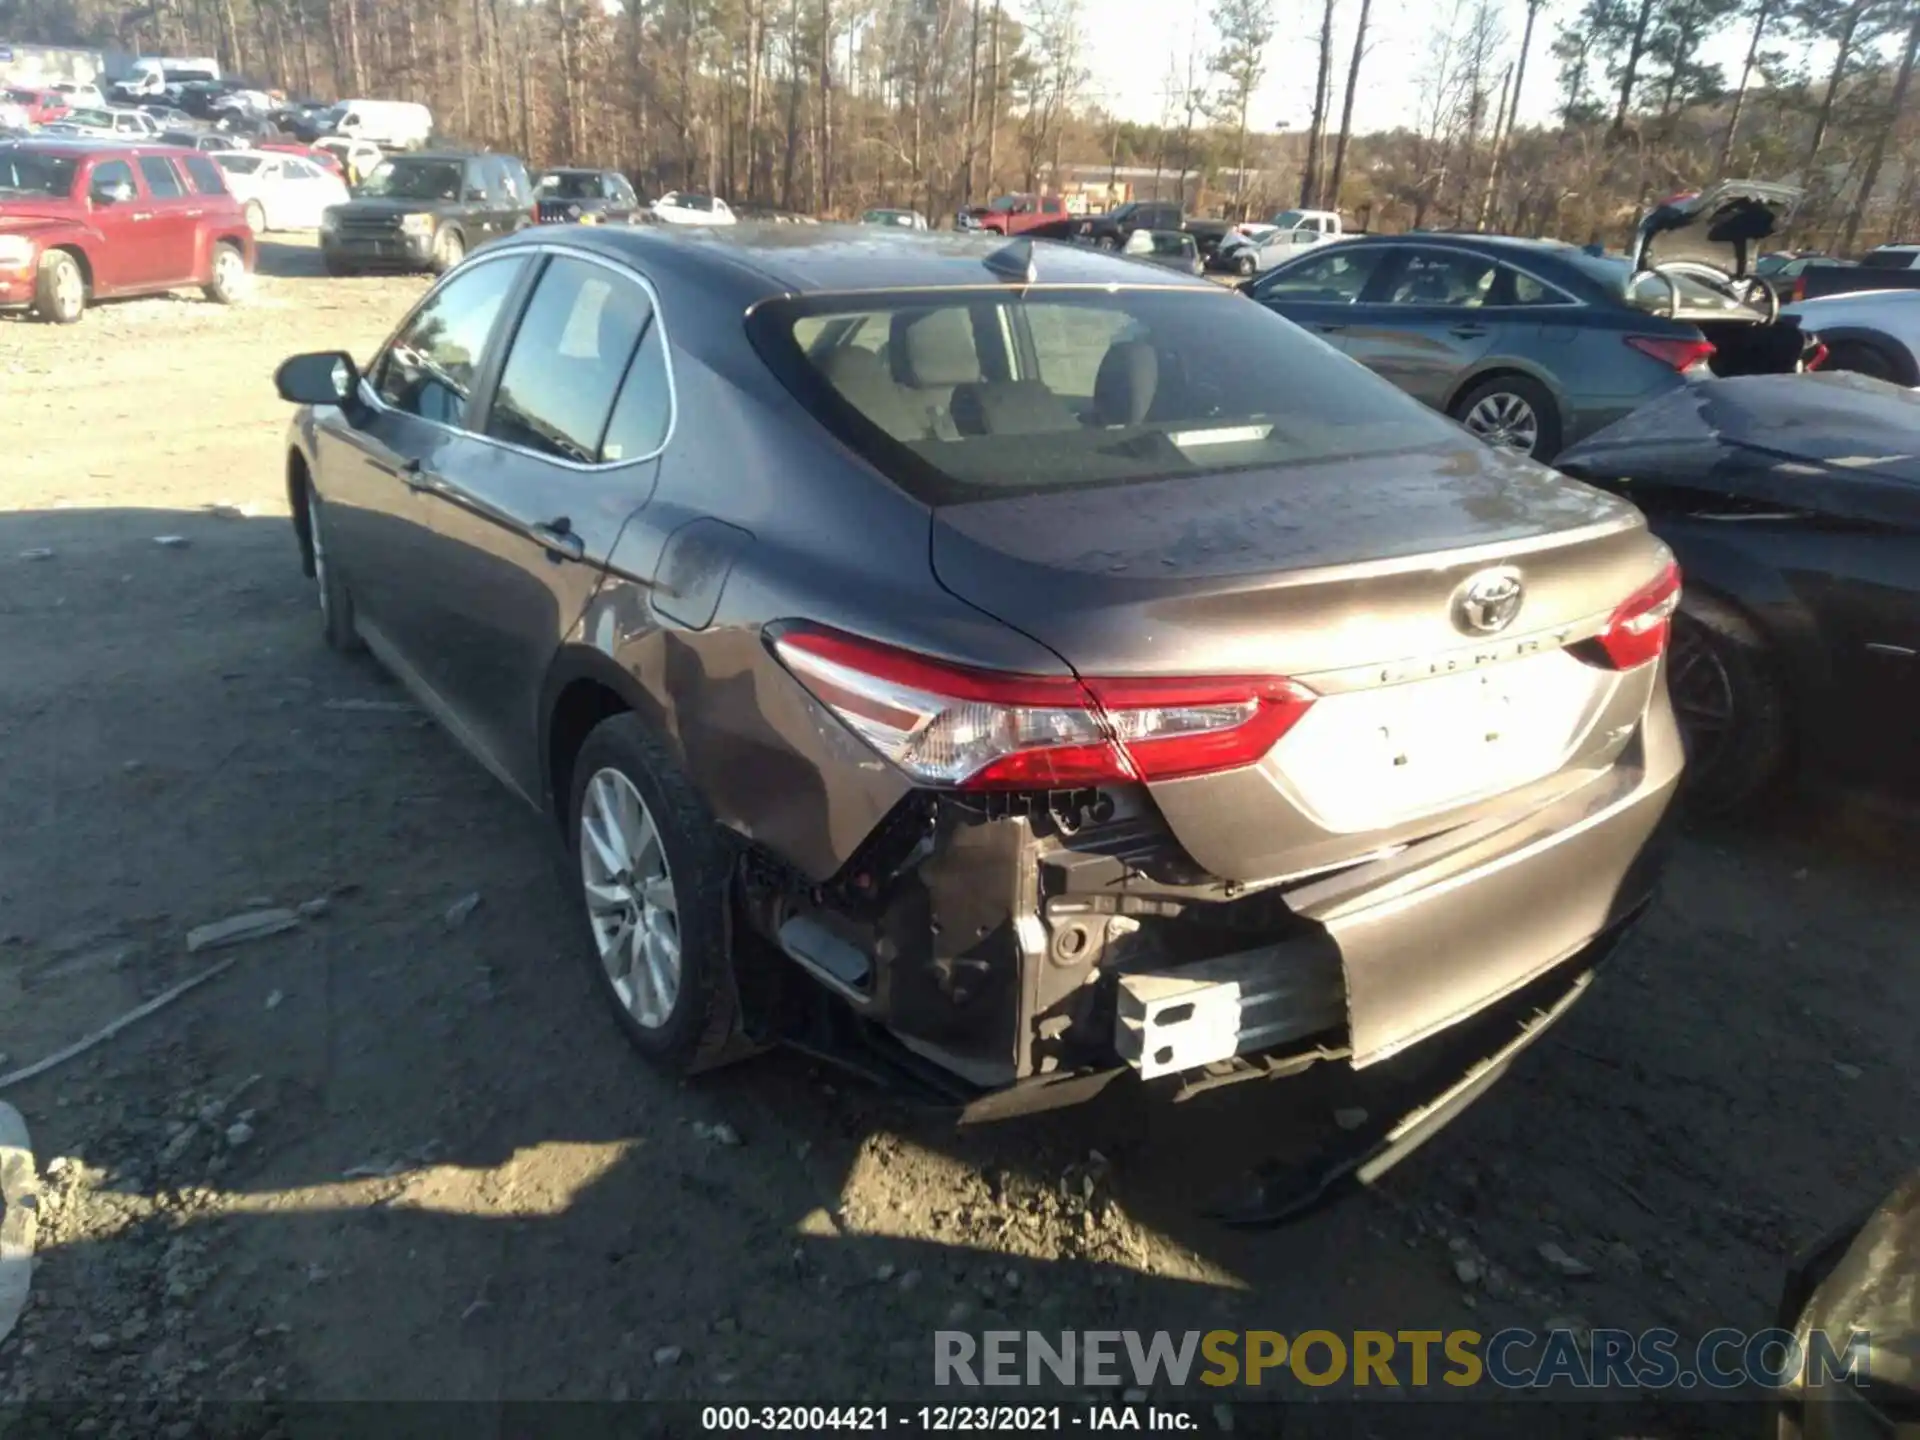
{"points": [[934, 347], [863, 381], [1124, 385], [1010, 407]]}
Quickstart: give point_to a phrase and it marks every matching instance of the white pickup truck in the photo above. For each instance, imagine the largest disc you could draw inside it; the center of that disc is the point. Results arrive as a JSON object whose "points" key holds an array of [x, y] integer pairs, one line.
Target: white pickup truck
{"points": [[1254, 248]]}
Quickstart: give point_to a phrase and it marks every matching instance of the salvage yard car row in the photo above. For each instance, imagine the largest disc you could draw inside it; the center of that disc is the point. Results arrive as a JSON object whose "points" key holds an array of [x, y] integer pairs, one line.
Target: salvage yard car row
{"points": [[1077, 705]]}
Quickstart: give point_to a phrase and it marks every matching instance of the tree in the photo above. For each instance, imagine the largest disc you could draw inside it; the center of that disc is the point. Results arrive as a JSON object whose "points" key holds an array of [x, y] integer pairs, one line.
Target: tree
{"points": [[1245, 29], [1346, 104], [1310, 180]]}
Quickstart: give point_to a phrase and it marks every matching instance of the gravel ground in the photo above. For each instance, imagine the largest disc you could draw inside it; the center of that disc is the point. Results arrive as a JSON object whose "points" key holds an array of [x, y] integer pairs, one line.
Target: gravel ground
{"points": [[398, 1151]]}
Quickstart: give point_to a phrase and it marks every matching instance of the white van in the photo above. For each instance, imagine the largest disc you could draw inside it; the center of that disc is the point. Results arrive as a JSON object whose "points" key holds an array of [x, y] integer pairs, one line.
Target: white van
{"points": [[152, 74], [396, 124]]}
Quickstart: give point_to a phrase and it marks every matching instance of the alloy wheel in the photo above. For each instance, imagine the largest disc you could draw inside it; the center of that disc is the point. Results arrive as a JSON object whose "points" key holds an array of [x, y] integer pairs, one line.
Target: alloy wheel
{"points": [[1505, 421], [229, 271], [1703, 697], [631, 903], [69, 290]]}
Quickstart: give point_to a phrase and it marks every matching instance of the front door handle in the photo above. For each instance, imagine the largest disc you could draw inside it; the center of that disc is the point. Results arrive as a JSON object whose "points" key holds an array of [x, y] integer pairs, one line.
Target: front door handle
{"points": [[142, 215], [1468, 332], [558, 538]]}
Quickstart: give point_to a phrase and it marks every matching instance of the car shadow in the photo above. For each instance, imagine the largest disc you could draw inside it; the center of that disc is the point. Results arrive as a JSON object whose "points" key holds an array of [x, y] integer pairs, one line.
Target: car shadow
{"points": [[456, 1181], [281, 256]]}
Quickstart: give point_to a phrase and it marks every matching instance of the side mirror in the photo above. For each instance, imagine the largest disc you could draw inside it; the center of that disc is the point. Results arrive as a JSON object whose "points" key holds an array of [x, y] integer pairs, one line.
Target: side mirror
{"points": [[327, 377], [113, 192]]}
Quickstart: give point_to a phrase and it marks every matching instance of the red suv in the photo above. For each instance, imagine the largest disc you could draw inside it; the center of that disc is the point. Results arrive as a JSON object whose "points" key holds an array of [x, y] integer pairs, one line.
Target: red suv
{"points": [[83, 220], [42, 106]]}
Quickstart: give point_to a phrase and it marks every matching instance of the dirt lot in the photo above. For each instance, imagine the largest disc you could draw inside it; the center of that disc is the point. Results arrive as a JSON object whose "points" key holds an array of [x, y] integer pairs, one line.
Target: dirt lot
{"points": [[400, 1153]]}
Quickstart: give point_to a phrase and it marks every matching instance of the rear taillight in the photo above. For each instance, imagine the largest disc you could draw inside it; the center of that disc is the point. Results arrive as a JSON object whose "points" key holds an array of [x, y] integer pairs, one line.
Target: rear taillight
{"points": [[1815, 357], [1637, 632], [1799, 288], [1680, 354], [951, 726]]}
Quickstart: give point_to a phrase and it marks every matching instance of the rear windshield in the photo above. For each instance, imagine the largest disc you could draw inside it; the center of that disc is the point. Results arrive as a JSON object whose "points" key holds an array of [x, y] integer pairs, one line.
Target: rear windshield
{"points": [[1650, 291], [22, 172], [961, 395], [1889, 259], [571, 184]]}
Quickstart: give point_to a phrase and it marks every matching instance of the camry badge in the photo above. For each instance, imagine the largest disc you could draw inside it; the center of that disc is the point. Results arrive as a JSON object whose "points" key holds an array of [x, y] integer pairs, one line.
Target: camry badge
{"points": [[1488, 602]]}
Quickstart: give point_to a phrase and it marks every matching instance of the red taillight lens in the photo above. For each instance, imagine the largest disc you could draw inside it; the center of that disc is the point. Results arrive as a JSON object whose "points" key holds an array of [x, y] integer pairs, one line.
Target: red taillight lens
{"points": [[1799, 288], [951, 726], [1637, 632], [1680, 354]]}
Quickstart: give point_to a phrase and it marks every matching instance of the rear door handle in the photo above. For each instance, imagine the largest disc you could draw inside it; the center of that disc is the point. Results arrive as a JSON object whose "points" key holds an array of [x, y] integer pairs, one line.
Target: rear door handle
{"points": [[1468, 332], [558, 538]]}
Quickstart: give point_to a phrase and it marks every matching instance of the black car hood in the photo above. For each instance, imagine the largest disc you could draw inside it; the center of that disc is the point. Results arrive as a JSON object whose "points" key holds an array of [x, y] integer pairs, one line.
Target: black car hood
{"points": [[1722, 227], [1839, 445]]}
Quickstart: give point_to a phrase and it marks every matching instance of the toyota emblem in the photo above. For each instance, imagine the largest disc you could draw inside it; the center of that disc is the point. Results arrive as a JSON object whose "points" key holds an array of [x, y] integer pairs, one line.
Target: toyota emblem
{"points": [[1488, 601]]}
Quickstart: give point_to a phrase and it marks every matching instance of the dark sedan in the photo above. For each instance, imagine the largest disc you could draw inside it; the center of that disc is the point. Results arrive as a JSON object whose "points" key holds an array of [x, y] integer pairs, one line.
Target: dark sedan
{"points": [[925, 642], [574, 196], [1530, 344], [1794, 506]]}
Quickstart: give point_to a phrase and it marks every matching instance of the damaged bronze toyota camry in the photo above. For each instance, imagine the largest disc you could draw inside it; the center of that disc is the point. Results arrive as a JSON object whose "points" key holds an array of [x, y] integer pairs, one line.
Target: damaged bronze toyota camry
{"points": [[932, 654]]}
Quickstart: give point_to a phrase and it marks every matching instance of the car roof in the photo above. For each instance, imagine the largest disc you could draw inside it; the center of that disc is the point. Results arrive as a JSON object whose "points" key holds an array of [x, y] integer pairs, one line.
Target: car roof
{"points": [[759, 261]]}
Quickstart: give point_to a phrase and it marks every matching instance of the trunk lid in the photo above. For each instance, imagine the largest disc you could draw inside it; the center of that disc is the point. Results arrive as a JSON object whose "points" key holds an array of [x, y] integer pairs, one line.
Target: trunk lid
{"points": [[1351, 577], [1722, 228]]}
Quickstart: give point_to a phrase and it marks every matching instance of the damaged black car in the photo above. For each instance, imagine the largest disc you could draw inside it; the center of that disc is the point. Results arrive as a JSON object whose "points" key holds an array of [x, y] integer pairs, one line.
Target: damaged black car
{"points": [[929, 654], [1793, 504]]}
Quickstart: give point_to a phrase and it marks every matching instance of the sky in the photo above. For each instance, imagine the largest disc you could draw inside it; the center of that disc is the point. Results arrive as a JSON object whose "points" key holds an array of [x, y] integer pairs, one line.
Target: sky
{"points": [[1133, 42]]}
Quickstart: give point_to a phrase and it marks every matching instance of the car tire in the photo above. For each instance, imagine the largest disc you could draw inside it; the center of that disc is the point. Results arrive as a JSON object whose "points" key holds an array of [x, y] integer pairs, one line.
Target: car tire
{"points": [[1862, 357], [1731, 705], [230, 276], [59, 290], [256, 217], [336, 602], [1243, 264], [634, 945], [449, 249], [1508, 409]]}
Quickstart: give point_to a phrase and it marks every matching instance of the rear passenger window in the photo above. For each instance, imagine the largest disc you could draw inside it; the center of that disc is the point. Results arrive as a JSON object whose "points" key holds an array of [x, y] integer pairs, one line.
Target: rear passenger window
{"points": [[568, 360], [205, 174], [108, 173], [429, 367], [645, 403], [163, 181]]}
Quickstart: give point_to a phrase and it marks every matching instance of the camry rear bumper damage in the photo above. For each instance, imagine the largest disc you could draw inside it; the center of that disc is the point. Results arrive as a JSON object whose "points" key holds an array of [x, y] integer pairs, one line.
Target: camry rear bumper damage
{"points": [[1027, 948]]}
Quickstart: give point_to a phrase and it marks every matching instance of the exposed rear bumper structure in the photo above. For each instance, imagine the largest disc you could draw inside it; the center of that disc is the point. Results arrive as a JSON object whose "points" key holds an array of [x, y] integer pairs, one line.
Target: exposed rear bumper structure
{"points": [[1032, 947]]}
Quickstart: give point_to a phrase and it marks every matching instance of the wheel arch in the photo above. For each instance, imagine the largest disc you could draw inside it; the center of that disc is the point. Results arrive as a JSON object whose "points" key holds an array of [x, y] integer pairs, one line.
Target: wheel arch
{"points": [[584, 686], [1901, 359], [78, 252], [1498, 368], [1763, 598]]}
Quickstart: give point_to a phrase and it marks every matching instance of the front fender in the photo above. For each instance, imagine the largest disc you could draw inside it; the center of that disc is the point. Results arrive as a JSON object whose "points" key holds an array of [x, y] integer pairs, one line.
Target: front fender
{"points": [[1713, 561]]}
